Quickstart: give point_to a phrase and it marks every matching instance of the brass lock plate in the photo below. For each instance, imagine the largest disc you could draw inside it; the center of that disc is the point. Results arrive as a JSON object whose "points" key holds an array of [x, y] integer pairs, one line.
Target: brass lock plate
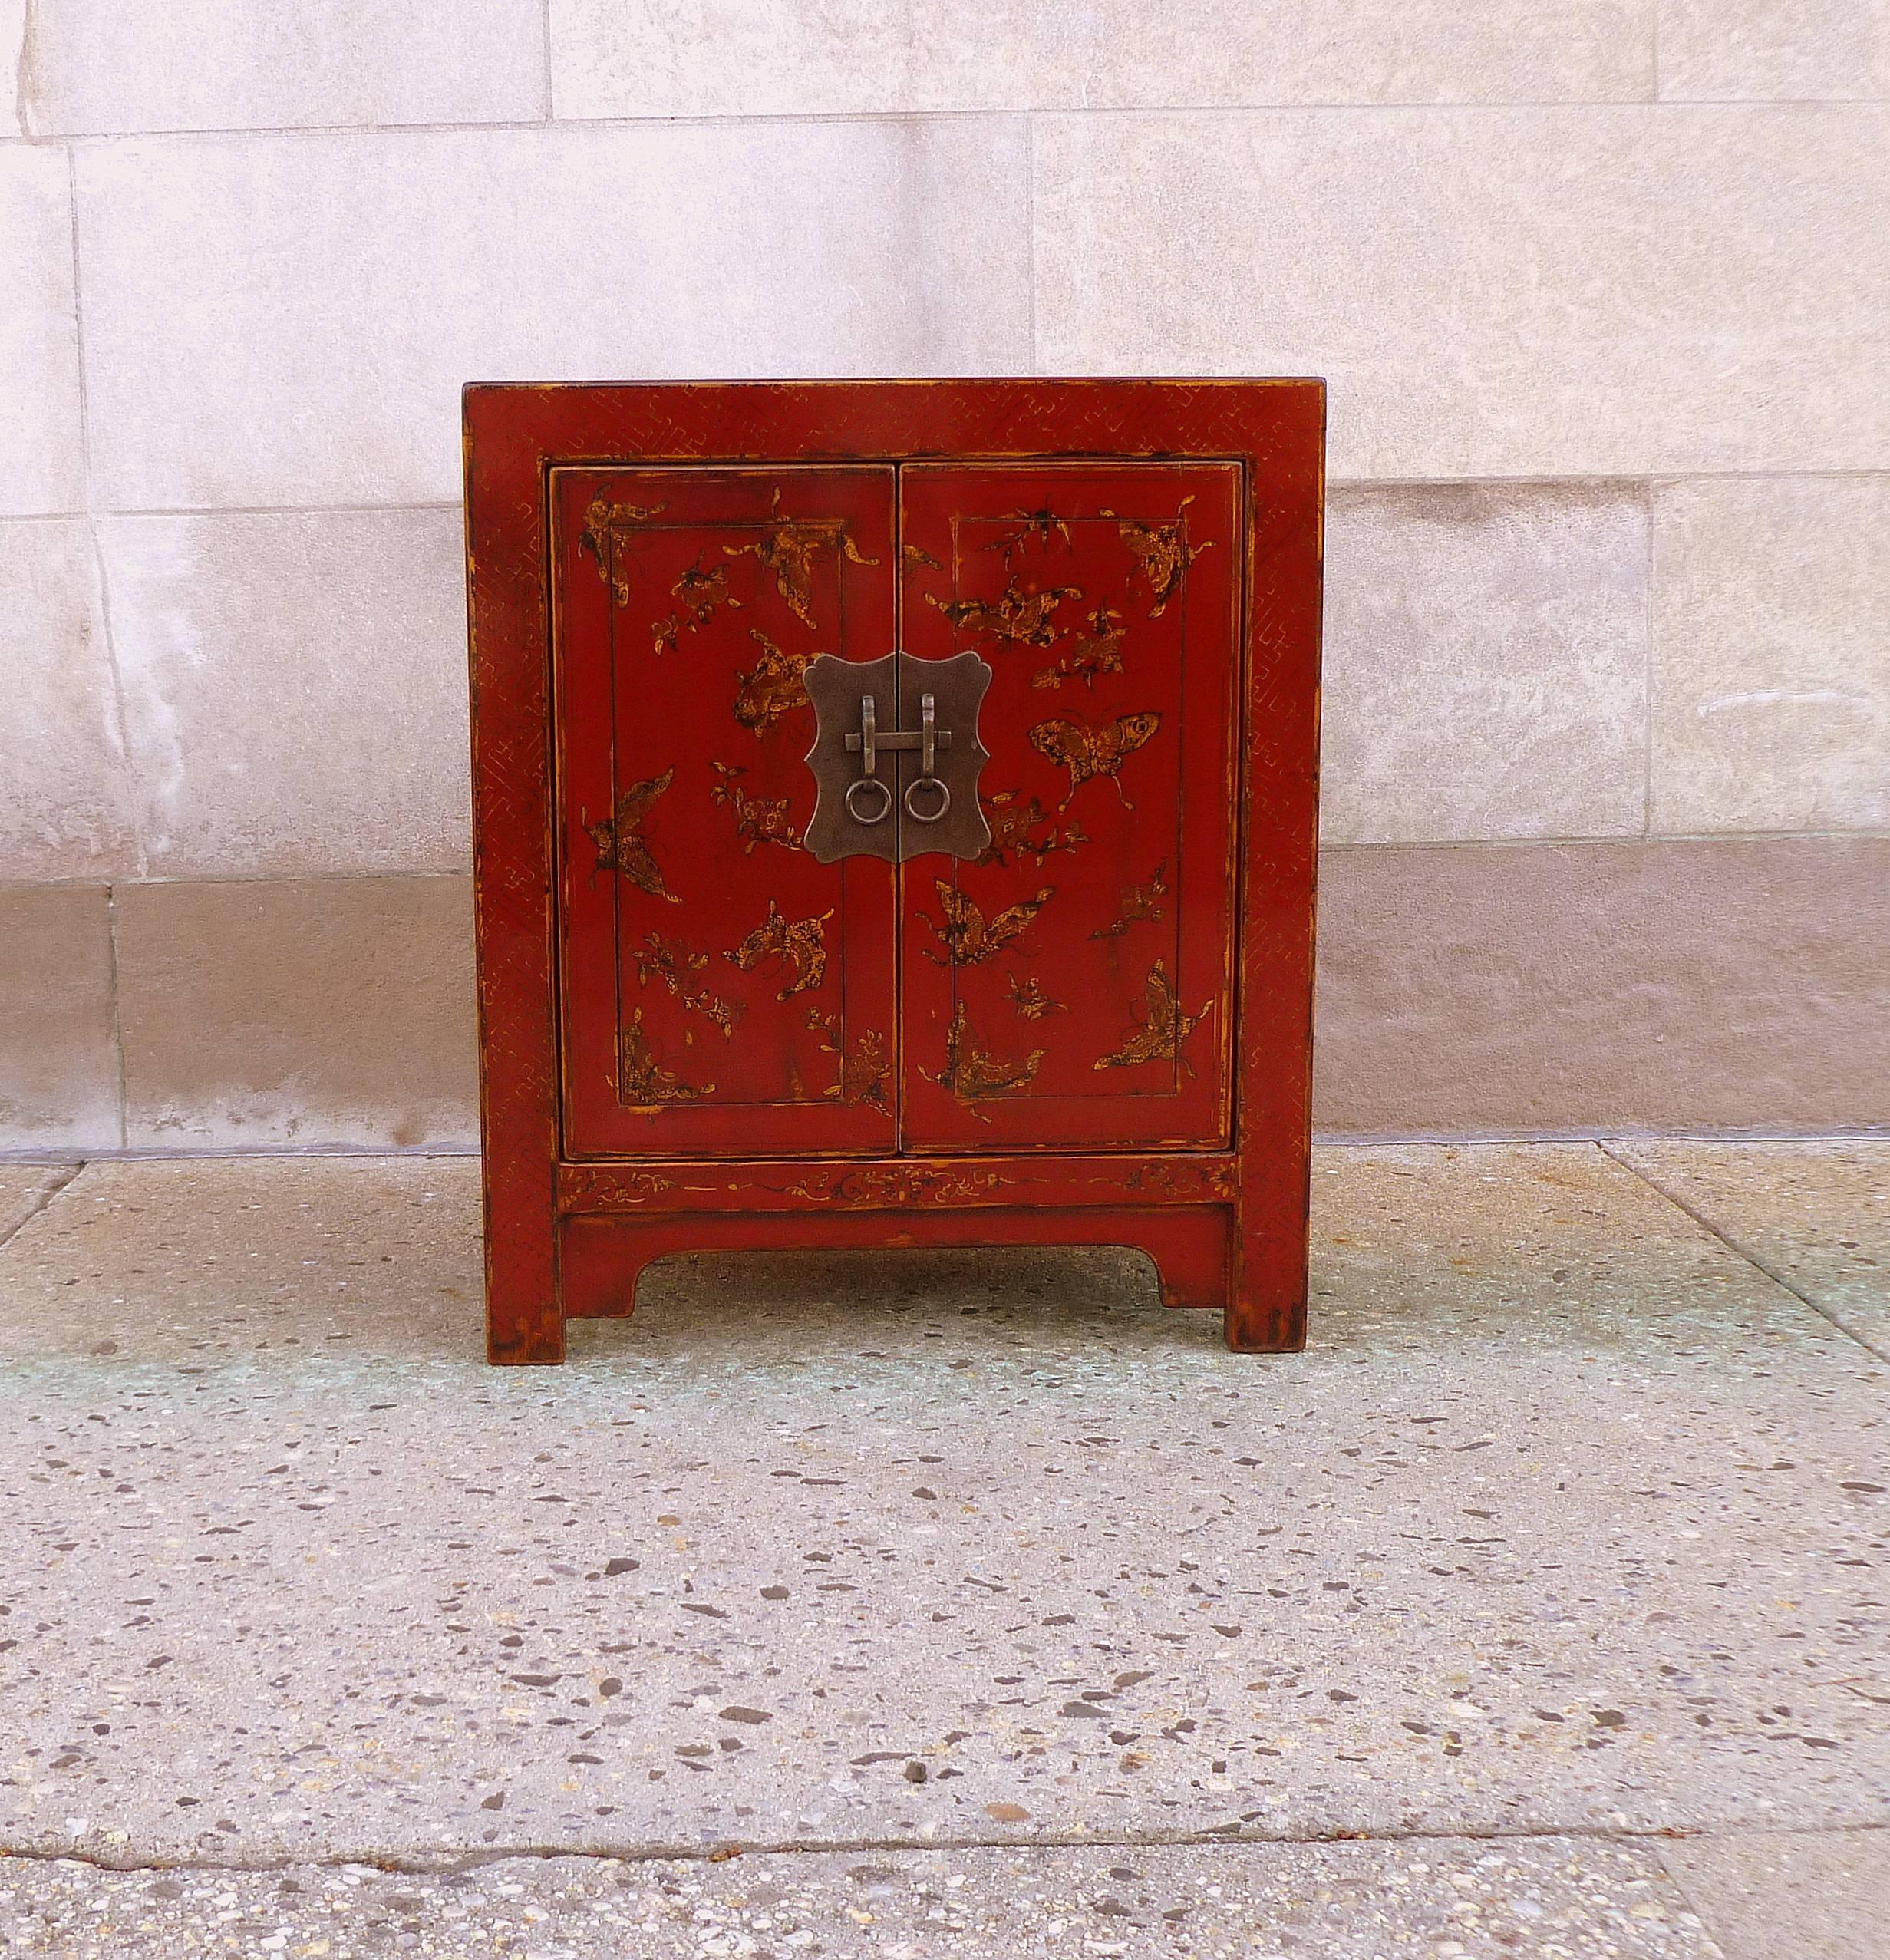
{"points": [[896, 757]]}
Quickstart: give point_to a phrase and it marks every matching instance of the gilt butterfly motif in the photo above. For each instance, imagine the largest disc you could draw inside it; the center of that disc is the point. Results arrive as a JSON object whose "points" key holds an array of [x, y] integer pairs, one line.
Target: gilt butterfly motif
{"points": [[1087, 750], [1026, 617], [972, 1075], [1162, 554], [788, 549], [606, 526], [968, 936], [621, 845], [772, 687], [799, 943], [1159, 1036]]}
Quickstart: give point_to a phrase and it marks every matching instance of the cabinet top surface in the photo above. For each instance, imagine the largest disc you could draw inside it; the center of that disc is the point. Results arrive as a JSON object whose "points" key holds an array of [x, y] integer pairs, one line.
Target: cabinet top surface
{"points": [[858, 385], [522, 426]]}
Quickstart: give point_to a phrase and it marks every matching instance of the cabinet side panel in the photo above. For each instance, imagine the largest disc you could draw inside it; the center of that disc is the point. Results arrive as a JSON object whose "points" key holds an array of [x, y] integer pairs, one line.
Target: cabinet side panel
{"points": [[1278, 859], [508, 641]]}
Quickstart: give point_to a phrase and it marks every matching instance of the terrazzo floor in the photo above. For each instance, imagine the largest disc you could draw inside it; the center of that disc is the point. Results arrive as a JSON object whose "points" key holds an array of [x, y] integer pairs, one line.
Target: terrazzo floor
{"points": [[954, 1603]]}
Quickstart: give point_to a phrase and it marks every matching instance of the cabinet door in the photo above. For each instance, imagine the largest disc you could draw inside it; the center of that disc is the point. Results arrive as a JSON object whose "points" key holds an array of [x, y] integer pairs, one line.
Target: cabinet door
{"points": [[1073, 985], [724, 994]]}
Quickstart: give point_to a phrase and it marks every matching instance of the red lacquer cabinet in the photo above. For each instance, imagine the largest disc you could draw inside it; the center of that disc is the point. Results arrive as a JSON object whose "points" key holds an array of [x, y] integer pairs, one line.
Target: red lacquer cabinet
{"points": [[894, 813]]}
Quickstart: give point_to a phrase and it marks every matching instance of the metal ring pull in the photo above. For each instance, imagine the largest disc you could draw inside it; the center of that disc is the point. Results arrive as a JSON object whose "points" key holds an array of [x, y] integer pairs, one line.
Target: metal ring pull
{"points": [[885, 811], [927, 782], [895, 757]]}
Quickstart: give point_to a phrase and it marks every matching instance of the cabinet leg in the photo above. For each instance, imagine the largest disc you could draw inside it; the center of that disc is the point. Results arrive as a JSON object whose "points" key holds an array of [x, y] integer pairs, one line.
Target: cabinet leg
{"points": [[524, 1320], [522, 1325], [1266, 1310]]}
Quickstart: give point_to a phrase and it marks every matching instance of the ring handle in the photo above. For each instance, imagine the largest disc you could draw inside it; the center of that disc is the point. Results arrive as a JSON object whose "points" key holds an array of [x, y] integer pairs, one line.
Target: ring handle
{"points": [[928, 783], [875, 783]]}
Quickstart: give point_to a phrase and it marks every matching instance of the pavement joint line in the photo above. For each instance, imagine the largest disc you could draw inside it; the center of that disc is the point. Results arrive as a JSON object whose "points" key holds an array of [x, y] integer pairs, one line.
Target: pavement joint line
{"points": [[263, 1153], [445, 1862], [1709, 1921], [1345, 1140], [1745, 1253], [53, 1188]]}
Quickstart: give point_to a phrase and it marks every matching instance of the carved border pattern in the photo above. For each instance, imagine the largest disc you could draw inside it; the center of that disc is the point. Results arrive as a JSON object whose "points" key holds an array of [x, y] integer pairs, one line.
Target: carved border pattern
{"points": [[1180, 1178]]}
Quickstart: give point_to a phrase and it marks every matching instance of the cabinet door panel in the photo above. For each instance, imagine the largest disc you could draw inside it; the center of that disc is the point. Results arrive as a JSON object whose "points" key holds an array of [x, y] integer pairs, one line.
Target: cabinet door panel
{"points": [[1072, 985], [723, 993]]}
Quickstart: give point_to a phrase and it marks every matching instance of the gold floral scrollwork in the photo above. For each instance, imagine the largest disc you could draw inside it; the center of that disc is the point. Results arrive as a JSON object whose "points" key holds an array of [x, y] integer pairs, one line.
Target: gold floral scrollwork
{"points": [[1025, 618], [973, 1076], [772, 687], [1183, 1180], [635, 1186], [758, 820], [1012, 820], [1138, 901], [1034, 526], [621, 845], [911, 1184], [643, 1083], [1028, 997], [875, 1185], [606, 526], [1086, 750], [1157, 1036], [1086, 655], [1162, 553], [673, 964], [865, 1073], [801, 942], [788, 549], [700, 592], [968, 936]]}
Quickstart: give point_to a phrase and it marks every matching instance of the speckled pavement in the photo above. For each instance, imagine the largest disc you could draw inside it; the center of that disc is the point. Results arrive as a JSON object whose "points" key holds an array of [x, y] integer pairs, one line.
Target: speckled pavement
{"points": [[25, 1188], [1566, 1535], [1816, 1215], [1344, 1901]]}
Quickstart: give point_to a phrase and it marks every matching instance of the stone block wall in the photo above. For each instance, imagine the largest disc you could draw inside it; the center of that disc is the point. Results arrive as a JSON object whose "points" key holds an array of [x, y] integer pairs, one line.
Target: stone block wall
{"points": [[1601, 288]]}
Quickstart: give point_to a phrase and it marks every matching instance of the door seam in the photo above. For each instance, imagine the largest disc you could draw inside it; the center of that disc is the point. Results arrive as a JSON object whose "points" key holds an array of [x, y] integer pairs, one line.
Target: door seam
{"points": [[898, 864]]}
